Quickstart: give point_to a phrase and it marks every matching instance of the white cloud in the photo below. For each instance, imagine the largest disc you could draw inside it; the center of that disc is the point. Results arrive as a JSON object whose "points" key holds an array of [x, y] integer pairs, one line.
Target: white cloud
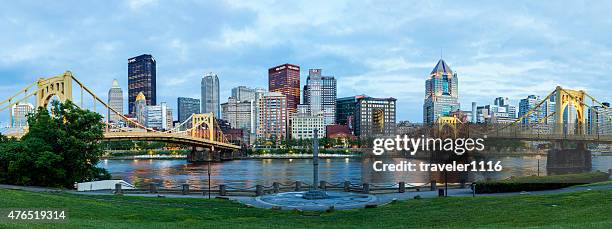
{"points": [[139, 4]]}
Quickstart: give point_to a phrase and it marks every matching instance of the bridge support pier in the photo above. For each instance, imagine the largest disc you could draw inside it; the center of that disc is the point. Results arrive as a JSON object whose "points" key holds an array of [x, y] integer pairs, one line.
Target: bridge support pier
{"points": [[562, 160], [201, 154]]}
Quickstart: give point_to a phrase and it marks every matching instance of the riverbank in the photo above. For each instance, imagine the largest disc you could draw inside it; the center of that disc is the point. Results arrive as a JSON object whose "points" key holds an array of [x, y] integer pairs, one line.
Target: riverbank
{"points": [[589, 209]]}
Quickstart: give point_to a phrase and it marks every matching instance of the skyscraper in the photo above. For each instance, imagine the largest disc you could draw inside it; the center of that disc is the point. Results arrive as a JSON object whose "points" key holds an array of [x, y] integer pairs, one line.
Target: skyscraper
{"points": [[157, 117], [599, 122], [210, 94], [320, 95], [272, 116], [375, 117], [285, 79], [115, 101], [345, 110], [186, 107], [527, 104], [141, 78], [239, 114], [441, 93], [542, 115]]}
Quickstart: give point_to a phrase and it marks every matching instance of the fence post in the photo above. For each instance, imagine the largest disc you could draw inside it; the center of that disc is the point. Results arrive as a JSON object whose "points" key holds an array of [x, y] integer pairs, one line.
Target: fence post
{"points": [[276, 187], [323, 185], [462, 183], [185, 189], [222, 190], [118, 190], [366, 188], [433, 185], [258, 190], [347, 186], [402, 187], [298, 186], [152, 187]]}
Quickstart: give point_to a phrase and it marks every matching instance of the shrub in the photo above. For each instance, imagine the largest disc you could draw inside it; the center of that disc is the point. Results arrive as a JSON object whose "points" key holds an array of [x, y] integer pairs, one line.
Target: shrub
{"points": [[536, 183]]}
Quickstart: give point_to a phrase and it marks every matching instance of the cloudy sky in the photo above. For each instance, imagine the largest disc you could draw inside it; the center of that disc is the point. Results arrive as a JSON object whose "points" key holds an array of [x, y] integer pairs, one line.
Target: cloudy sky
{"points": [[378, 48]]}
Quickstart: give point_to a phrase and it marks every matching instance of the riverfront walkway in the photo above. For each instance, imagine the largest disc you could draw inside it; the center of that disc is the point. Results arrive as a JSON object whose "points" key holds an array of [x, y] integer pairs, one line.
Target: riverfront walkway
{"points": [[381, 199]]}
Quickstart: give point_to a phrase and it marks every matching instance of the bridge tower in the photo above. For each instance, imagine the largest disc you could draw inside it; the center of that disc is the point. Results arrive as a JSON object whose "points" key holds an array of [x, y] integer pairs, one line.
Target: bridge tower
{"points": [[563, 99], [203, 119], [60, 86], [447, 121]]}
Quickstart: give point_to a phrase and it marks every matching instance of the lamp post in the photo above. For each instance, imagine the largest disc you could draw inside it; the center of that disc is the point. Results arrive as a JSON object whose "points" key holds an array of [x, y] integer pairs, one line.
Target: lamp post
{"points": [[314, 192], [208, 170], [538, 157]]}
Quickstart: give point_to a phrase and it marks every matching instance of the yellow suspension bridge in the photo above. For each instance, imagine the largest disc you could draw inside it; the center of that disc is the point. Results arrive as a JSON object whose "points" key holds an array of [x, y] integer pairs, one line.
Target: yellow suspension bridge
{"points": [[566, 120], [201, 131]]}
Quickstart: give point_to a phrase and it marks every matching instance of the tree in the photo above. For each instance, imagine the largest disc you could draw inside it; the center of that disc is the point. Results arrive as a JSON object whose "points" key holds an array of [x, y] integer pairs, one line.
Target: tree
{"points": [[58, 149]]}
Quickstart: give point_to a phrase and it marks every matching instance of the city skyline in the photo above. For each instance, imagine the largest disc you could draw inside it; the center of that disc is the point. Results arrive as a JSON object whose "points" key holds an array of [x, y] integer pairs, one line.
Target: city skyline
{"points": [[545, 48]]}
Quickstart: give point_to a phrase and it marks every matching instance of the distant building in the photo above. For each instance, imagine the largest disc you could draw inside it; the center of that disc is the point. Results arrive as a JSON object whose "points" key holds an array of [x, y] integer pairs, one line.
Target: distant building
{"points": [[243, 93], [499, 112], [405, 127], [272, 116], [375, 117], [304, 122], [338, 131], [19, 114], [210, 95], [441, 93], [474, 113], [345, 110], [169, 120], [187, 107], [505, 102], [157, 117], [141, 78], [542, 115], [240, 115], [285, 79], [525, 105], [600, 120], [461, 116], [141, 109], [320, 95], [115, 101]]}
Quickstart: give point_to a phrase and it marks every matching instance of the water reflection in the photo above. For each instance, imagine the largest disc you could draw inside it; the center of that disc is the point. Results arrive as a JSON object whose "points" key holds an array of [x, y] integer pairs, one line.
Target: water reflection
{"points": [[247, 173]]}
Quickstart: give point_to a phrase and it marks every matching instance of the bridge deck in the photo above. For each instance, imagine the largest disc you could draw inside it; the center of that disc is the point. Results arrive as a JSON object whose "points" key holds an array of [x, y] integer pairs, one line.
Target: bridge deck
{"points": [[168, 137]]}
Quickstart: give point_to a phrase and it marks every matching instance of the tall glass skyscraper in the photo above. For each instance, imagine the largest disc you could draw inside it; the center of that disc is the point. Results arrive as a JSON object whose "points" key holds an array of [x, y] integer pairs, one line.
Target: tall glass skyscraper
{"points": [[210, 94], [187, 107], [115, 101], [141, 78], [285, 79], [441, 93], [320, 95]]}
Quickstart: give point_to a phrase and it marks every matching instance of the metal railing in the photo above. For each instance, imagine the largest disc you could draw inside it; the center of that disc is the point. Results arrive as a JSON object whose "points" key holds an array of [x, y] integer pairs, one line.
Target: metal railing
{"points": [[277, 187]]}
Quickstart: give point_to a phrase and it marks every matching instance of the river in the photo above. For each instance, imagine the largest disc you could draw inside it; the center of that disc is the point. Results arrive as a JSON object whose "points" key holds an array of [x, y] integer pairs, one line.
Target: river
{"points": [[247, 173]]}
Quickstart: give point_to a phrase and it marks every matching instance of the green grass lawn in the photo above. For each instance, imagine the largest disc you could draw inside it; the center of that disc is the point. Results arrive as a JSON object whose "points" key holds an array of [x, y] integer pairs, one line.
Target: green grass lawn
{"points": [[591, 209]]}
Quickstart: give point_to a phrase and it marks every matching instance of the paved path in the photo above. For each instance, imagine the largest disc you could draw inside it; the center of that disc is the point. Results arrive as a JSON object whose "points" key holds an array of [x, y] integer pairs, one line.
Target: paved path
{"points": [[381, 199]]}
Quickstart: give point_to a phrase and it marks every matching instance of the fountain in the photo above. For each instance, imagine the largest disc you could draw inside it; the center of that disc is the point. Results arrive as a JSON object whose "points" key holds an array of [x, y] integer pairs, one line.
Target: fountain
{"points": [[315, 198]]}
